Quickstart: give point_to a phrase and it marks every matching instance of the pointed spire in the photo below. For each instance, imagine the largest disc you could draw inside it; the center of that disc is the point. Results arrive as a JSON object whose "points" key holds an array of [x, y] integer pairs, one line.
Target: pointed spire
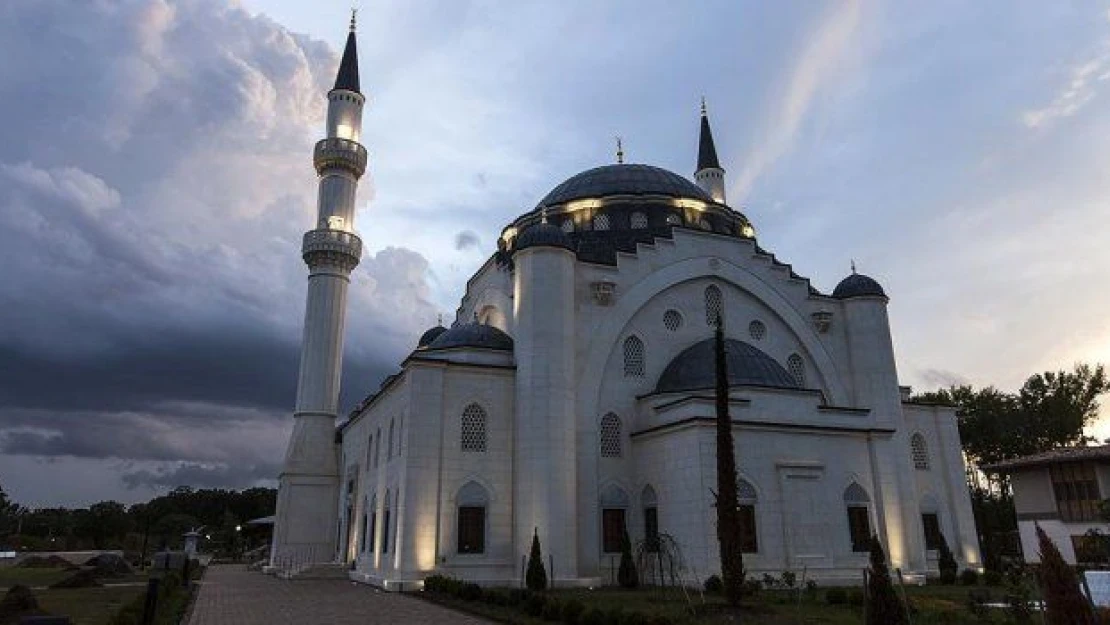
{"points": [[853, 265], [620, 152], [707, 152], [347, 78]]}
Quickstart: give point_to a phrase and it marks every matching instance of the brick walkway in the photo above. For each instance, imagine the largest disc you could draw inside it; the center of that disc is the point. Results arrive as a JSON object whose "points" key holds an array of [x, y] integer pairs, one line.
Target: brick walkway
{"points": [[231, 595]]}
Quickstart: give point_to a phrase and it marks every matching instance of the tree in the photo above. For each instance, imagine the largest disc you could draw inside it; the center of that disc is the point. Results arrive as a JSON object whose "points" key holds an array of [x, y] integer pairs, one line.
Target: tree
{"points": [[1064, 602], [536, 577], [883, 606], [728, 516], [627, 575], [946, 562]]}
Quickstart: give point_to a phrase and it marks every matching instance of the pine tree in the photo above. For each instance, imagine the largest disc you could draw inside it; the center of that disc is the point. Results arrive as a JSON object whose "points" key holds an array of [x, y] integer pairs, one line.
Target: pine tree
{"points": [[536, 577], [627, 575], [1064, 602], [946, 562], [883, 606], [728, 517]]}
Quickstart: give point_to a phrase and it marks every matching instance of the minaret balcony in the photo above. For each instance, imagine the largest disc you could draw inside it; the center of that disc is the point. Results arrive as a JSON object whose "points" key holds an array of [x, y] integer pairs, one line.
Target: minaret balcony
{"points": [[326, 246], [339, 152]]}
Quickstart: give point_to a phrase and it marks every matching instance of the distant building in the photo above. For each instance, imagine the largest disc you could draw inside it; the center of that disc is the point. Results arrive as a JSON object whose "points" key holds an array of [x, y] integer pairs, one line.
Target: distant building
{"points": [[573, 397], [1060, 490]]}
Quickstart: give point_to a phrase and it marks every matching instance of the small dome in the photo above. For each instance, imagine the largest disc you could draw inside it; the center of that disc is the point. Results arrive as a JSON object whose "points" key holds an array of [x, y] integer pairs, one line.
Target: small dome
{"points": [[429, 336], [695, 368], [858, 285], [543, 235], [473, 334], [624, 179]]}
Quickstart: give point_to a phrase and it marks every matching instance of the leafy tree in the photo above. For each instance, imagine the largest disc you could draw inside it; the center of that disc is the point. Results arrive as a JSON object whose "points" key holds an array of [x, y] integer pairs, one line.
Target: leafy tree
{"points": [[883, 606], [946, 562], [728, 516], [627, 575], [536, 576], [1064, 602]]}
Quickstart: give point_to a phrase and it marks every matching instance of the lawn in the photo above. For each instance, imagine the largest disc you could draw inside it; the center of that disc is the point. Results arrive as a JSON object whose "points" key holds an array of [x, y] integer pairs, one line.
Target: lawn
{"points": [[12, 576], [87, 606]]}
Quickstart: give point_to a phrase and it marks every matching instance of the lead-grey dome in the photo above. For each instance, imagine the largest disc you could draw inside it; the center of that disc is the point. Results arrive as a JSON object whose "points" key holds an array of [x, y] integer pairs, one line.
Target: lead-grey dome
{"points": [[473, 334], [858, 285], [543, 234], [431, 335], [621, 179], [695, 368]]}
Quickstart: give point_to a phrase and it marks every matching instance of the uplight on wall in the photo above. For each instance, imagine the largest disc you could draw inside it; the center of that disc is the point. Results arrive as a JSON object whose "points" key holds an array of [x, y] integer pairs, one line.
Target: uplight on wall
{"points": [[345, 131], [335, 222]]}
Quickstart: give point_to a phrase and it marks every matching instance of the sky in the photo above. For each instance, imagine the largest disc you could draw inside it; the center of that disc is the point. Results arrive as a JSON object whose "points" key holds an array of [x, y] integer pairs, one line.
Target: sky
{"points": [[155, 179]]}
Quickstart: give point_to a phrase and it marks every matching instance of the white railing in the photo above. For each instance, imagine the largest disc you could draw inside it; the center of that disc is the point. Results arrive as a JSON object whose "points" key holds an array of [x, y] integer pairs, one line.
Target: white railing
{"points": [[291, 561], [339, 152]]}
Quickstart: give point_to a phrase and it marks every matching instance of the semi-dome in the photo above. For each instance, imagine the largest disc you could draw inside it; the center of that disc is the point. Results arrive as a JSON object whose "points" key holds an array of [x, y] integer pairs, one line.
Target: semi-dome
{"points": [[695, 368], [473, 334], [431, 335], [858, 285], [543, 235], [623, 179]]}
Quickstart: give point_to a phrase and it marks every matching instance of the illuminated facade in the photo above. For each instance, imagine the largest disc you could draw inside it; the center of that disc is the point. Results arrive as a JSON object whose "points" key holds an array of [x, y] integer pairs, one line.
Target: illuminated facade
{"points": [[572, 398]]}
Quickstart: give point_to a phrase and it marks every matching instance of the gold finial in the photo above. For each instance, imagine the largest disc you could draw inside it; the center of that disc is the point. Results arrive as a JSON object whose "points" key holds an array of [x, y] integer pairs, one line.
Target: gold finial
{"points": [[354, 13], [853, 265], [620, 152], [704, 112]]}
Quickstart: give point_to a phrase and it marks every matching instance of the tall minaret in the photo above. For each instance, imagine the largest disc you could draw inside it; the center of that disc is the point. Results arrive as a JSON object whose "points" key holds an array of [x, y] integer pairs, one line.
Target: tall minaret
{"points": [[709, 175], [305, 529]]}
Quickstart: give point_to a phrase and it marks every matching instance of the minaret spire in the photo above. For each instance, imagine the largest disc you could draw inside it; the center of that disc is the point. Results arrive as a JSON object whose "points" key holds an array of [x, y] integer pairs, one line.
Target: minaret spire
{"points": [[347, 78], [620, 152], [709, 174]]}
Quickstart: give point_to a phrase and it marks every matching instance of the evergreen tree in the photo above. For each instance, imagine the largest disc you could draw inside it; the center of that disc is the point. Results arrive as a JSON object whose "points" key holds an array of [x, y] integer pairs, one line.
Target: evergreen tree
{"points": [[728, 517], [1064, 602], [946, 563], [627, 575], [536, 577], [883, 606]]}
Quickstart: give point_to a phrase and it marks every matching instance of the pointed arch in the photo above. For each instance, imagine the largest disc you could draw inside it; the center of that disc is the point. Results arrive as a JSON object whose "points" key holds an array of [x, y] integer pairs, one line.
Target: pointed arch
{"points": [[649, 503], [614, 508], [857, 503], [471, 503]]}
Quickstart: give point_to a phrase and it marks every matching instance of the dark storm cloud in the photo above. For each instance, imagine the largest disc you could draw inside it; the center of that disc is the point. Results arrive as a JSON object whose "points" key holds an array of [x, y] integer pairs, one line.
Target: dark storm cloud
{"points": [[466, 239], [155, 176]]}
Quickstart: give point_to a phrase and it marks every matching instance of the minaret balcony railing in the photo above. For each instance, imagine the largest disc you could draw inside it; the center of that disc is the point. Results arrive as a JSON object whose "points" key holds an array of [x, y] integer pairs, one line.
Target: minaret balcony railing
{"points": [[332, 247], [339, 152]]}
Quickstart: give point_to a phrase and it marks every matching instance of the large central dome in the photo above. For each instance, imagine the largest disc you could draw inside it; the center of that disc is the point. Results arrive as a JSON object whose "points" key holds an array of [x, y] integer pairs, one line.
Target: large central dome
{"points": [[623, 180]]}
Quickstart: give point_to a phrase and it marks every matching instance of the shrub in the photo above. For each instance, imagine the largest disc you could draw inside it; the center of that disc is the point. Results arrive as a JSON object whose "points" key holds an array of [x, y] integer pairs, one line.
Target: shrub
{"points": [[1064, 602], [976, 604], [660, 619], [769, 581], [614, 616], [533, 605], [536, 577], [470, 592], [518, 596], [883, 606], [634, 618], [495, 596], [752, 587], [593, 616], [572, 611], [714, 585], [552, 610], [946, 563], [969, 577], [627, 575], [855, 597], [836, 596], [789, 579], [992, 578]]}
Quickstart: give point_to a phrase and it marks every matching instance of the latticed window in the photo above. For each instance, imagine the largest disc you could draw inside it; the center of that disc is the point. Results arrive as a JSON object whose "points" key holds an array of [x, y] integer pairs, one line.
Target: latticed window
{"points": [[1076, 489], [746, 500], [757, 330], [672, 320], [633, 357], [568, 225], [797, 368], [713, 307], [638, 221], [704, 224], [919, 452], [473, 436], [610, 436], [674, 220], [858, 505], [601, 222]]}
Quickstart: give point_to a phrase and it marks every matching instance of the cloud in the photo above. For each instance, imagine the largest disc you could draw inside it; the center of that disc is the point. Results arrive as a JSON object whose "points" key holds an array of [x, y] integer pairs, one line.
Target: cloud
{"points": [[1082, 87], [466, 239], [819, 64]]}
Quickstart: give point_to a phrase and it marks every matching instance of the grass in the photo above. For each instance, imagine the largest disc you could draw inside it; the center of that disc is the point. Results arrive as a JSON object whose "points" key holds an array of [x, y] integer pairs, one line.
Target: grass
{"points": [[12, 576], [87, 606]]}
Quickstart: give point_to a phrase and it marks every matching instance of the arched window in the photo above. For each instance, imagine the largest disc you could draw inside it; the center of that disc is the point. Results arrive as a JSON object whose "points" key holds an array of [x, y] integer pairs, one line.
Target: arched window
{"points": [[386, 523], [610, 436], [614, 504], [919, 452], [567, 225], [400, 435], [633, 357], [473, 434], [713, 305], [389, 449], [673, 219], [649, 503], [757, 330], [858, 505], [377, 447], [601, 222], [369, 451], [471, 502], [746, 499], [638, 221], [672, 320], [362, 534], [704, 224], [372, 535], [797, 368], [930, 523]]}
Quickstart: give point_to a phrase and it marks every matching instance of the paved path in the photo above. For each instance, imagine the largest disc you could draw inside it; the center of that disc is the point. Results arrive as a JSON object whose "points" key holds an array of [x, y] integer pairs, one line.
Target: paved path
{"points": [[231, 595]]}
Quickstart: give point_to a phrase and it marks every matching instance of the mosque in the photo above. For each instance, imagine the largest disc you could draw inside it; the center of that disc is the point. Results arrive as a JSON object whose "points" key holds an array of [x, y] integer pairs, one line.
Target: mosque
{"points": [[573, 398]]}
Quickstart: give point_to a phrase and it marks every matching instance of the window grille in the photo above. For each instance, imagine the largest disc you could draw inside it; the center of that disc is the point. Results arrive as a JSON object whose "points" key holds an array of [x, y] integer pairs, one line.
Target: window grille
{"points": [[713, 307], [757, 330], [633, 357], [473, 436], [610, 436], [1075, 487], [704, 224], [568, 225], [797, 369], [672, 320], [638, 221], [601, 222], [674, 220], [919, 452]]}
